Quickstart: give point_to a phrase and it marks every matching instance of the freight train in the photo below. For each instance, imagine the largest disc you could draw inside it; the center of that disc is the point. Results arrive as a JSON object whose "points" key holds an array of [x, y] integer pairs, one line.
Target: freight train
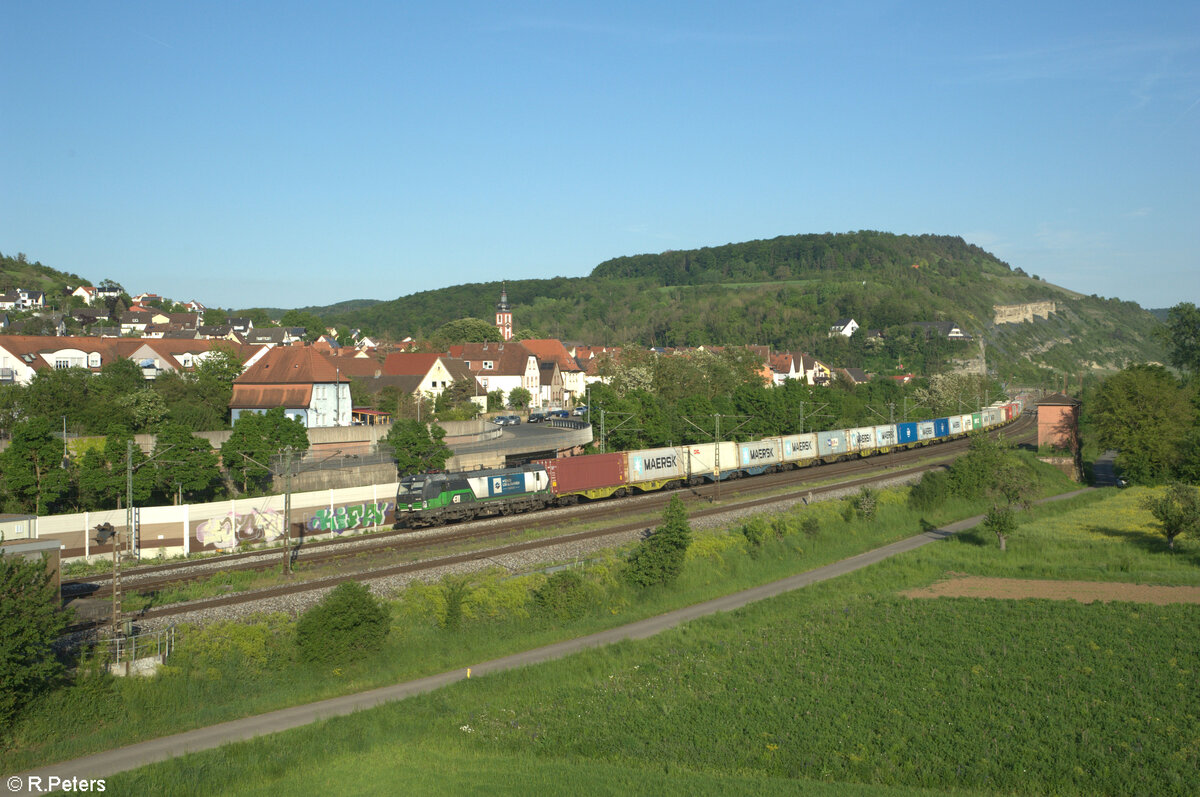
{"points": [[434, 498]]}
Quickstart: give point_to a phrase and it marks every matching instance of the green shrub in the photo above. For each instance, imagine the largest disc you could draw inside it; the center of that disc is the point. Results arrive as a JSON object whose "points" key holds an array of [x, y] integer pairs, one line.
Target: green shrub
{"points": [[865, 503], [755, 532], [455, 590], [226, 647], [658, 559], [564, 596], [930, 492], [349, 621], [811, 526]]}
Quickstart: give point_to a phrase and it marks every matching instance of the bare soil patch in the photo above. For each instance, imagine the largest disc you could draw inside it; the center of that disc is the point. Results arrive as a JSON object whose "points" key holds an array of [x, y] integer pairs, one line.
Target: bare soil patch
{"points": [[962, 586]]}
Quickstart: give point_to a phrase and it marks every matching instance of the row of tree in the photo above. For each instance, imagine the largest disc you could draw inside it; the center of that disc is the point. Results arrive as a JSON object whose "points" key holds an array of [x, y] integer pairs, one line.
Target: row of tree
{"points": [[40, 475], [676, 400]]}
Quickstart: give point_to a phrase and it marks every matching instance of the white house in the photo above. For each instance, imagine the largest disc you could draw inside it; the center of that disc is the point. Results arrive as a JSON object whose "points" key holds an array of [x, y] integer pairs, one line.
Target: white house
{"points": [[844, 326], [299, 379]]}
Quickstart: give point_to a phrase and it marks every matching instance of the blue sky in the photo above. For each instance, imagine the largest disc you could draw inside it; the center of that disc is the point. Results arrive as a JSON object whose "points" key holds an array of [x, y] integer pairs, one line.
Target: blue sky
{"points": [[289, 154]]}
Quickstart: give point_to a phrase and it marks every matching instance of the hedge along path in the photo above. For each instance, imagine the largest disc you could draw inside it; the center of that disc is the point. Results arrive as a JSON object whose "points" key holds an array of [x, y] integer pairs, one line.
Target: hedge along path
{"points": [[100, 765], [1083, 591]]}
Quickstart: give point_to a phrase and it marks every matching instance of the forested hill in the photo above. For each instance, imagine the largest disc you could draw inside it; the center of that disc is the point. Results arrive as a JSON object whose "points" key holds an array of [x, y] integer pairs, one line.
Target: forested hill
{"points": [[787, 291], [792, 256], [16, 272]]}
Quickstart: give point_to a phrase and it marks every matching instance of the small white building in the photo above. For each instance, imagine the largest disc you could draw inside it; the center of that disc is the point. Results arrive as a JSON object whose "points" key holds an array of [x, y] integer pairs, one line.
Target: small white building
{"points": [[844, 326]]}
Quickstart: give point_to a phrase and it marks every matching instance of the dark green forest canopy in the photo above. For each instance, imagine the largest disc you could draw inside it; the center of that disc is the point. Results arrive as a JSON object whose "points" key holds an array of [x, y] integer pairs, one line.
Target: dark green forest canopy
{"points": [[792, 256]]}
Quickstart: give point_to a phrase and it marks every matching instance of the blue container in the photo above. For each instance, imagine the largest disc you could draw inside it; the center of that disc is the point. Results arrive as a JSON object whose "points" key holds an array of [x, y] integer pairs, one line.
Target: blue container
{"points": [[907, 432], [941, 427]]}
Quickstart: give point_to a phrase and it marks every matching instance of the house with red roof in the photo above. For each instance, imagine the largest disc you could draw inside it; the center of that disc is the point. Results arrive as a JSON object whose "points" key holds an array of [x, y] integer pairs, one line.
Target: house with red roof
{"points": [[300, 379]]}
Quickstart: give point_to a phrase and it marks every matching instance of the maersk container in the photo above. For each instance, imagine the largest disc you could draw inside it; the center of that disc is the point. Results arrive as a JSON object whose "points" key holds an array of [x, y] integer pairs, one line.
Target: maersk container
{"points": [[799, 448], [977, 420], [860, 439], [702, 460], [592, 472], [655, 464], [955, 425], [831, 444], [885, 436], [924, 430], [907, 432], [968, 423], [941, 427], [757, 456], [508, 482]]}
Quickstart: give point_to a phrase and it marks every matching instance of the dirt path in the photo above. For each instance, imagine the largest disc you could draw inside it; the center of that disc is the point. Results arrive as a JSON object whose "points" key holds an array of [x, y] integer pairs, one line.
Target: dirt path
{"points": [[960, 586]]}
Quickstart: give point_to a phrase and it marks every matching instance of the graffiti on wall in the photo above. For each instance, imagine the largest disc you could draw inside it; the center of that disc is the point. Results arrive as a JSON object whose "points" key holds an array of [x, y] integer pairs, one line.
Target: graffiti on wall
{"points": [[230, 531], [344, 518]]}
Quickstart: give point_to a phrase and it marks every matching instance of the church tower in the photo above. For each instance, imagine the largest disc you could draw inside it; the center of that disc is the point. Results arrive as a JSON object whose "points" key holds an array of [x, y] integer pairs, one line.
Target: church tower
{"points": [[504, 315]]}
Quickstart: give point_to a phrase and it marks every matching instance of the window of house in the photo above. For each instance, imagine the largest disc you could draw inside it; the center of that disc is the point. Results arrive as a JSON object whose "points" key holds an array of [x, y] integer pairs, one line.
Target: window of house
{"points": [[487, 365]]}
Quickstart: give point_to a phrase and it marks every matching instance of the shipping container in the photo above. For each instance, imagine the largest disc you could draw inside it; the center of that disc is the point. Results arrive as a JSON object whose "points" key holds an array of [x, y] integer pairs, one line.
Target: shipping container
{"points": [[968, 423], [594, 475], [977, 420], [703, 460], [508, 482], [761, 455], [860, 440], [924, 430], [831, 445], [955, 425], [907, 432], [885, 436], [657, 464], [800, 448], [941, 427]]}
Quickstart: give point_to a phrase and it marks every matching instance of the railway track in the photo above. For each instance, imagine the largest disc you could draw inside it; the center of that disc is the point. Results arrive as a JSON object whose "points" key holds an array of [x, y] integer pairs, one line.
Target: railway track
{"points": [[737, 495], [154, 578]]}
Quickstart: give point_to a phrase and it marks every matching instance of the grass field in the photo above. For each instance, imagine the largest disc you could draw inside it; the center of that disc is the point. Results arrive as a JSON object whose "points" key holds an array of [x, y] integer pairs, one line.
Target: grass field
{"points": [[841, 688]]}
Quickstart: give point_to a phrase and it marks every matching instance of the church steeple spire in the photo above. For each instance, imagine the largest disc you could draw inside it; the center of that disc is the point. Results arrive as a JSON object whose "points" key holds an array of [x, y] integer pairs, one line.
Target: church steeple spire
{"points": [[504, 321]]}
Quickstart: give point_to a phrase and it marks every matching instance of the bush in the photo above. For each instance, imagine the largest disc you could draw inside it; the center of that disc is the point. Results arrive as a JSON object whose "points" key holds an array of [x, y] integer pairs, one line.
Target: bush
{"points": [[349, 621], [30, 621], [811, 526], [658, 559], [455, 590], [930, 492], [865, 503], [564, 596]]}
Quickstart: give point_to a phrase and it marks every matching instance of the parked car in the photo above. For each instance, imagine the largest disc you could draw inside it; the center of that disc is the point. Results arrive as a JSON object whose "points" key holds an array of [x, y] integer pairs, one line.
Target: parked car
{"points": [[507, 420], [580, 410], [559, 414], [538, 417]]}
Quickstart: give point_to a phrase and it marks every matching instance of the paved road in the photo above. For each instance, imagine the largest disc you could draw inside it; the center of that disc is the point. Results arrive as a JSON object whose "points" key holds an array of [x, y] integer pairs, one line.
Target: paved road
{"points": [[1102, 470], [110, 762]]}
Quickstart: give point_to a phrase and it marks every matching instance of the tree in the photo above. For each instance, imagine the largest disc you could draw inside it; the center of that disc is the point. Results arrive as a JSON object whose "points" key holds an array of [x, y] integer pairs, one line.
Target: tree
{"points": [[1177, 510], [185, 464], [658, 559], [519, 398], [32, 469], [215, 316], [1143, 412], [1181, 334], [31, 619], [257, 441], [347, 623], [417, 446], [466, 330]]}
